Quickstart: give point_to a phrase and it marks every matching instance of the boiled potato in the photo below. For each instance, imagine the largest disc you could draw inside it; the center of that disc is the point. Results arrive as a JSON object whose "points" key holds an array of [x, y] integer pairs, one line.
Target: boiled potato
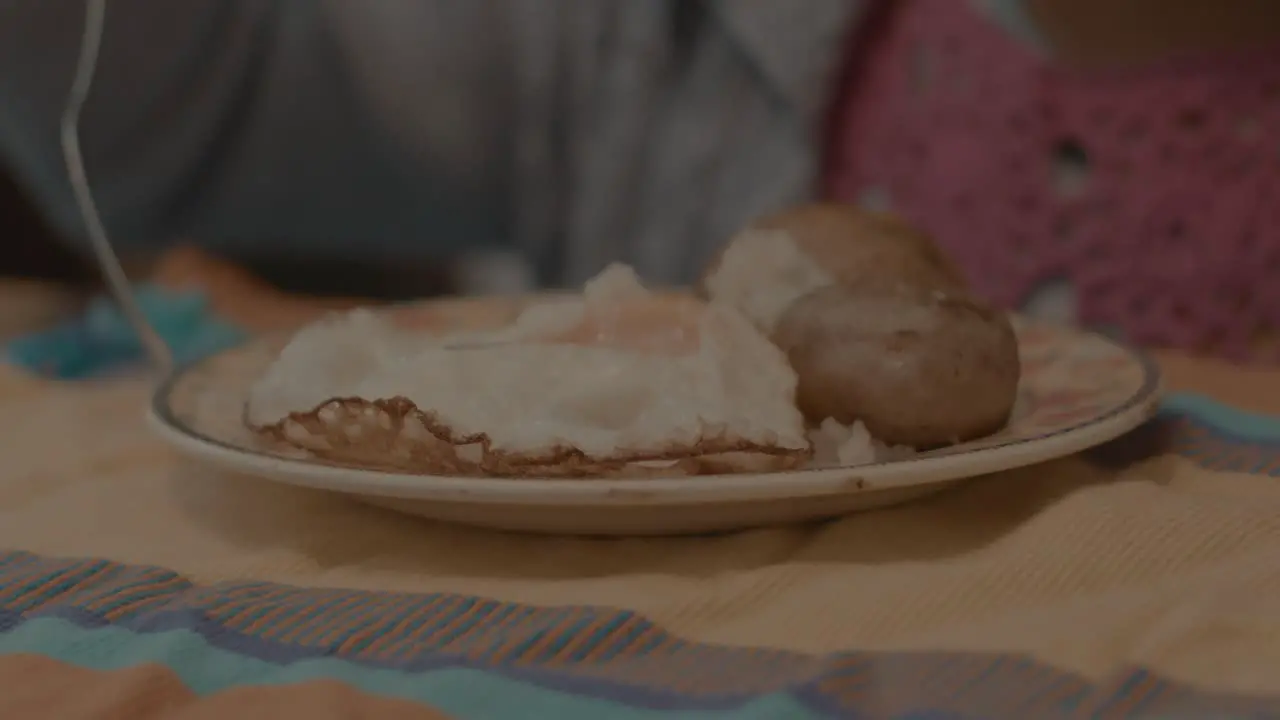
{"points": [[919, 367], [853, 247], [861, 248]]}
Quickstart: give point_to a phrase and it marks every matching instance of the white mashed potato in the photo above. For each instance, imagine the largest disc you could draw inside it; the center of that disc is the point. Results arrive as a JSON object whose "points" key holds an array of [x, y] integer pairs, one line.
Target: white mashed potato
{"points": [[836, 445], [762, 272]]}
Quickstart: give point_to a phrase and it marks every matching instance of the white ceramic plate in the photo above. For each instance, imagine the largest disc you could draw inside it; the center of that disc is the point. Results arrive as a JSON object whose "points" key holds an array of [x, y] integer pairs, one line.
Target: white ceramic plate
{"points": [[1078, 390]]}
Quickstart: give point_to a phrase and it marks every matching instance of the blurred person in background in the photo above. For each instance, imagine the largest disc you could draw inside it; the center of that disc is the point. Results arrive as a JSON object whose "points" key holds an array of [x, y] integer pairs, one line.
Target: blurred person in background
{"points": [[420, 134], [1113, 163], [1101, 161]]}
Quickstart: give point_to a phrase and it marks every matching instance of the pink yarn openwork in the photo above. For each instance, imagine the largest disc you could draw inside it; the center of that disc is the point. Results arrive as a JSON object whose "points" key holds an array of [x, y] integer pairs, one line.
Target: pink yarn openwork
{"points": [[1153, 193]]}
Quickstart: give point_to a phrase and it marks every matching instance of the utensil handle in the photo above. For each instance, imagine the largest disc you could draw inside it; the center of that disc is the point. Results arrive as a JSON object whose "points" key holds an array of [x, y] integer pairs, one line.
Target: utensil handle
{"points": [[117, 280]]}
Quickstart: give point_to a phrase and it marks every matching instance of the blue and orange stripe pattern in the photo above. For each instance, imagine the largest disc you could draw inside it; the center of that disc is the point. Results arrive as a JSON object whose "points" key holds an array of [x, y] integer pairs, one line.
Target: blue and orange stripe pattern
{"points": [[577, 661]]}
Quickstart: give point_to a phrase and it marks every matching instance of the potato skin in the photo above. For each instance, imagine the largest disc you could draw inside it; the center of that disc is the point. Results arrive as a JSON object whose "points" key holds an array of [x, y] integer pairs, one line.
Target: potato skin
{"points": [[920, 368], [861, 248]]}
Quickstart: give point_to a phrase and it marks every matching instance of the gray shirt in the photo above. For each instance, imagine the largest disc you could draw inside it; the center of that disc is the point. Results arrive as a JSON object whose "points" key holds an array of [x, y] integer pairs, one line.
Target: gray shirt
{"points": [[575, 131]]}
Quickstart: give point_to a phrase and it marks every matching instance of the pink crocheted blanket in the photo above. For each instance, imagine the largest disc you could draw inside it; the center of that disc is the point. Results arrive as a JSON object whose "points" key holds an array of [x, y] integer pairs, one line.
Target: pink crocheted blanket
{"points": [[1142, 201]]}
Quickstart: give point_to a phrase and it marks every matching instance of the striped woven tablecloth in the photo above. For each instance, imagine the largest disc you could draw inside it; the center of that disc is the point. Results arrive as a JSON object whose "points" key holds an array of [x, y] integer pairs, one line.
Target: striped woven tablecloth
{"points": [[1140, 581]]}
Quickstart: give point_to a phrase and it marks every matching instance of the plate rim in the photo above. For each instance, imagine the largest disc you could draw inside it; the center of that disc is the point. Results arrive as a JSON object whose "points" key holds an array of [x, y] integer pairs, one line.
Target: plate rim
{"points": [[924, 469]]}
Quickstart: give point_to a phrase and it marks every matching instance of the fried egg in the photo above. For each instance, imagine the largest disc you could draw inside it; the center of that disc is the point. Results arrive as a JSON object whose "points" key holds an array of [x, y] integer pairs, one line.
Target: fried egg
{"points": [[617, 381]]}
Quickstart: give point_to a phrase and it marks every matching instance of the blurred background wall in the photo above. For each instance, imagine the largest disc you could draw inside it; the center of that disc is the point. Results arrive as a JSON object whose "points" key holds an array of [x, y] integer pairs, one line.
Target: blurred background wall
{"points": [[31, 250]]}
